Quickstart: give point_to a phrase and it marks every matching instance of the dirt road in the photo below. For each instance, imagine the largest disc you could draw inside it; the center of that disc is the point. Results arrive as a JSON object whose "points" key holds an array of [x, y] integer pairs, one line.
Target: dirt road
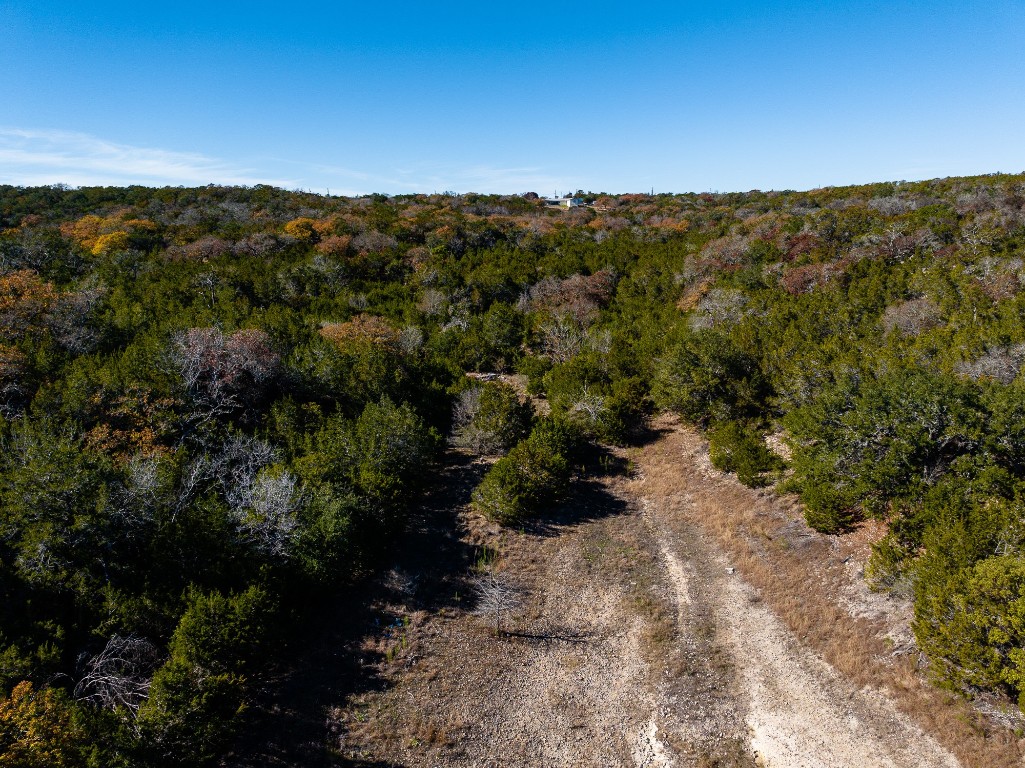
{"points": [[639, 643]]}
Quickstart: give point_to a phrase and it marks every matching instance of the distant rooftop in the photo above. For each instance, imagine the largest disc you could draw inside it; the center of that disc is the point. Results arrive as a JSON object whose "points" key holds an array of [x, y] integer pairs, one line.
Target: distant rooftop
{"points": [[563, 202]]}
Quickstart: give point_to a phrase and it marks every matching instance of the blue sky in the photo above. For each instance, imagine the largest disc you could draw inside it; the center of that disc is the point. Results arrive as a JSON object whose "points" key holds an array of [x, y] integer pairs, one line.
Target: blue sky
{"points": [[409, 97]]}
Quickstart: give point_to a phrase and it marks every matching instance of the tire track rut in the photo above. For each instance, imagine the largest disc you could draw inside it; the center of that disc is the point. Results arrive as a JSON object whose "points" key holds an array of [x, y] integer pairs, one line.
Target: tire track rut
{"points": [[683, 664], [800, 713]]}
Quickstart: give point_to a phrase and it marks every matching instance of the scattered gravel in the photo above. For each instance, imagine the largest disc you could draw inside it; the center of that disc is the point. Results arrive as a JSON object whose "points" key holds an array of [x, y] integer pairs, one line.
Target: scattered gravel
{"points": [[638, 644]]}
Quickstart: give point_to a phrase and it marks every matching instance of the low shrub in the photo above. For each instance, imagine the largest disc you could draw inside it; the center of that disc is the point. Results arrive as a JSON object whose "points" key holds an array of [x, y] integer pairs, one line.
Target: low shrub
{"points": [[973, 630], [490, 418], [734, 447], [534, 473]]}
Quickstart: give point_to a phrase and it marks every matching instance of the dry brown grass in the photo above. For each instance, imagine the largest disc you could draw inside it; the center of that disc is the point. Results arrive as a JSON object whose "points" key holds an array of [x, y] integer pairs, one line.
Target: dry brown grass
{"points": [[618, 551], [801, 580], [693, 295]]}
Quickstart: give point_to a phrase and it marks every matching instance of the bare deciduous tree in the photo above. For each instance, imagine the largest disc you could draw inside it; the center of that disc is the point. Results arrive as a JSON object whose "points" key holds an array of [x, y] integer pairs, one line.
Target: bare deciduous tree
{"points": [[729, 251], [257, 244], [70, 318], [497, 597], [976, 239], [561, 339], [579, 297], [600, 341], [457, 322], [134, 504], [262, 500], [1000, 364], [720, 306], [411, 339], [374, 242], [267, 516], [891, 205], [591, 405], [466, 408], [433, 302], [203, 249], [912, 317], [119, 676], [234, 466], [221, 372]]}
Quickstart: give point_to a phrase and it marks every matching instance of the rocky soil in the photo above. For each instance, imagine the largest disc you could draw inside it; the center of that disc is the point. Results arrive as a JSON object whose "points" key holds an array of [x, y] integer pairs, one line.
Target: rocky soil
{"points": [[649, 631]]}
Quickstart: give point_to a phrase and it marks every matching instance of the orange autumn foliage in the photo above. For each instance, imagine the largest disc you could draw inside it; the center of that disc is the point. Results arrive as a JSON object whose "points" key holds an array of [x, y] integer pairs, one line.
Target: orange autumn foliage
{"points": [[131, 424], [335, 245], [113, 241], [84, 231], [362, 329], [25, 302], [101, 235]]}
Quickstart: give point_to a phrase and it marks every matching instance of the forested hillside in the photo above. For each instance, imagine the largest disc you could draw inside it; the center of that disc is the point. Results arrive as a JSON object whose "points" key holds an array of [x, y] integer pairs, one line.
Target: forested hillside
{"points": [[218, 405]]}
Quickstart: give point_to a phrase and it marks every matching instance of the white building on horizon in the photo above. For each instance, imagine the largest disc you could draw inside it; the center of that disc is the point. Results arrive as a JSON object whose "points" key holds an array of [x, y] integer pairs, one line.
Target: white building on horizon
{"points": [[563, 202]]}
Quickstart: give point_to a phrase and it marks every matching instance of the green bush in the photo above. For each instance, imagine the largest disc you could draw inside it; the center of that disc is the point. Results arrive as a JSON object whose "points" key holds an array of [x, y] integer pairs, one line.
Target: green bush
{"points": [[380, 456], [534, 368], [863, 445], [502, 494], [827, 509], [534, 473], [709, 378], [490, 418], [197, 696], [583, 393], [973, 629], [734, 447], [389, 447]]}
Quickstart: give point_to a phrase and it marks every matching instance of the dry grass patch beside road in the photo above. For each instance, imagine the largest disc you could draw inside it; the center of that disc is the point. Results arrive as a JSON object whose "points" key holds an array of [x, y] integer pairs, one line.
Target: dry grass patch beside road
{"points": [[807, 579]]}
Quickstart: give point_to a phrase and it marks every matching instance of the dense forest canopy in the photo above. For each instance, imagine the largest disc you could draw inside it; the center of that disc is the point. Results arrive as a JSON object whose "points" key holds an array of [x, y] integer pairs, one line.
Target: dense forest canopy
{"points": [[218, 404]]}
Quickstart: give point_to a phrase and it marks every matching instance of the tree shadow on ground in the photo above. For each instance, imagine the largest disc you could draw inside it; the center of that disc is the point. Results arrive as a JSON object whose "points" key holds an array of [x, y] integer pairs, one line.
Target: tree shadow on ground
{"points": [[293, 722], [296, 720], [643, 433], [588, 498]]}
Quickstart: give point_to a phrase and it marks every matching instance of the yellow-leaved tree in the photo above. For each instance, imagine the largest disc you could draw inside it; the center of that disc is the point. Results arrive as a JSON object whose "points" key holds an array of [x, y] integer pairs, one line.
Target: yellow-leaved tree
{"points": [[112, 241], [303, 229], [39, 728]]}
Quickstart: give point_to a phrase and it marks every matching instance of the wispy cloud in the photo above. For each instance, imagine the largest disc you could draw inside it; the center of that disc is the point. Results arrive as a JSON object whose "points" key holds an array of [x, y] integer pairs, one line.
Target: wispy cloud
{"points": [[31, 157], [34, 157], [431, 177]]}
